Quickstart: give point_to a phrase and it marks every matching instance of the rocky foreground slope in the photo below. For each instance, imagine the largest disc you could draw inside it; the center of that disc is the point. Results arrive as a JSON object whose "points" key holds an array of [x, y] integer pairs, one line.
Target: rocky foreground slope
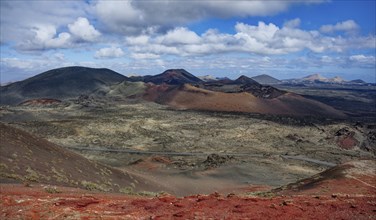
{"points": [[25, 158], [345, 192]]}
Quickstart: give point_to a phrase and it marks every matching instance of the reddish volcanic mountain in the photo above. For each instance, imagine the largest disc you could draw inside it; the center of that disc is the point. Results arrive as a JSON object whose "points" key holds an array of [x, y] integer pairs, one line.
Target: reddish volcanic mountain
{"points": [[190, 97]]}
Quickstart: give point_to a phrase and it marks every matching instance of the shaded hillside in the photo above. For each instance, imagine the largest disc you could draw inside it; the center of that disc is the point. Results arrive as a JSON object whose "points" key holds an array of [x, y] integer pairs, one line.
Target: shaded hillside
{"points": [[173, 77], [27, 158], [354, 177], [139, 78], [190, 97], [261, 91], [59, 84], [266, 79], [124, 89]]}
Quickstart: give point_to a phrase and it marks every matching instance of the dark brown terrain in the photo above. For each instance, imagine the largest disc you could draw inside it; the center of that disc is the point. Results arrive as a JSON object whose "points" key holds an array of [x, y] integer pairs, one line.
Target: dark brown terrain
{"points": [[28, 159]]}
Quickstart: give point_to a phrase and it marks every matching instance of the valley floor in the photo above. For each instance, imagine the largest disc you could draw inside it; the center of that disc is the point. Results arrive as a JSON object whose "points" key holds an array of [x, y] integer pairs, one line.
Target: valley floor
{"points": [[213, 165], [233, 149]]}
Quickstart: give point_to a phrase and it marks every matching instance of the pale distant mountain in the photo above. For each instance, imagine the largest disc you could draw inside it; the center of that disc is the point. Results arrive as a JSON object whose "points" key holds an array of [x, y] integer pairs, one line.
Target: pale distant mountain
{"points": [[132, 75], [336, 79], [318, 79], [207, 78], [266, 79], [313, 78]]}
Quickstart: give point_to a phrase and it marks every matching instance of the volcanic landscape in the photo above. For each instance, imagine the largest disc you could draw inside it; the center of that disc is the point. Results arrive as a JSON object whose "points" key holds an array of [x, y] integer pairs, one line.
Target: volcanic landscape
{"points": [[78, 142]]}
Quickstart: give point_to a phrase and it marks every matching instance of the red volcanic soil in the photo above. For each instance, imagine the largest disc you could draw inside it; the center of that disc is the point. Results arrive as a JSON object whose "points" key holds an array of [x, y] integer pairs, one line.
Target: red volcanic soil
{"points": [[190, 97], [153, 92], [344, 192], [18, 202], [347, 142]]}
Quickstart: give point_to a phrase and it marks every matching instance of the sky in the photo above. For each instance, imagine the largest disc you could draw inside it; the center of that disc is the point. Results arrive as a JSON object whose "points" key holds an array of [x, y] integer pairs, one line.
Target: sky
{"points": [[223, 38]]}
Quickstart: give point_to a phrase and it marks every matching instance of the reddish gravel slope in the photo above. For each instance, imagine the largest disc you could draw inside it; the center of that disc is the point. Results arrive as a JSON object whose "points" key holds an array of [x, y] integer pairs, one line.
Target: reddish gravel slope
{"points": [[190, 97], [344, 192]]}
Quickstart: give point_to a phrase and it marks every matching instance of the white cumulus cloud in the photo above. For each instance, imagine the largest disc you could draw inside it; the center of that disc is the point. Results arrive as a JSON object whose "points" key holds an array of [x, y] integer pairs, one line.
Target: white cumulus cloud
{"points": [[19, 17], [346, 26], [139, 56], [82, 29], [45, 37], [139, 40], [363, 61], [263, 39], [294, 23], [109, 52], [179, 35]]}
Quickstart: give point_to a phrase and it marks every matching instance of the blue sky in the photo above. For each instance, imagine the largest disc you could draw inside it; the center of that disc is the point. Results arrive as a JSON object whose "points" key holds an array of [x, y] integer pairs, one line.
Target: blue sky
{"points": [[285, 39]]}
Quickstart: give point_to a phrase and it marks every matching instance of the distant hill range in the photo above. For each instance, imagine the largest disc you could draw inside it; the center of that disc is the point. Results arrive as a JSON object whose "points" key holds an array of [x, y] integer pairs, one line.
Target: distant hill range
{"points": [[242, 84], [265, 79], [318, 79], [357, 81], [208, 78], [174, 87]]}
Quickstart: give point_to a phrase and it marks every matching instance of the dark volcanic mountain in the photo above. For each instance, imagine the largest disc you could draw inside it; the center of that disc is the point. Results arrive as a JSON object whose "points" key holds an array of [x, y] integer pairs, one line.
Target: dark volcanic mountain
{"points": [[245, 80], [59, 84], [173, 77], [266, 79]]}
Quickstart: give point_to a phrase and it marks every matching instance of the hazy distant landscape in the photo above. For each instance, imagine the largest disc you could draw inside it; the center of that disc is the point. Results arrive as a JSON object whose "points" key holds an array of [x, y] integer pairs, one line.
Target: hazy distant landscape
{"points": [[177, 109]]}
